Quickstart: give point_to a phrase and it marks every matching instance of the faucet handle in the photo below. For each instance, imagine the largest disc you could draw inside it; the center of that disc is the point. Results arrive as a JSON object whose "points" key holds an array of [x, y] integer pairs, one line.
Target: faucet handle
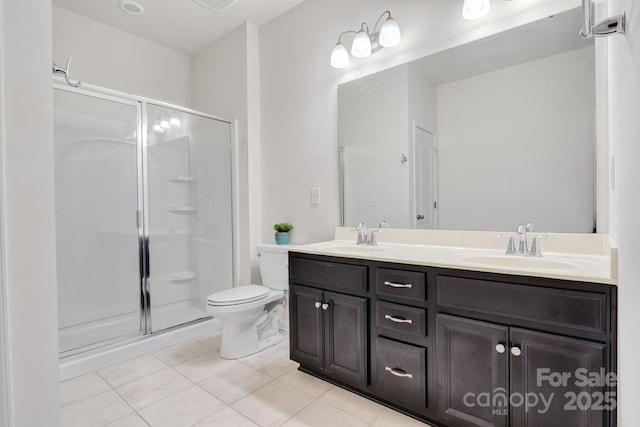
{"points": [[511, 248], [529, 227], [535, 246], [383, 224], [372, 237], [363, 238]]}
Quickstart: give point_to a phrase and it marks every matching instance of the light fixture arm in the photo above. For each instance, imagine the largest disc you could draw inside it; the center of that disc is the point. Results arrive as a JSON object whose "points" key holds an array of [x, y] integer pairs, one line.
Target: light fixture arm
{"points": [[346, 32], [386, 12], [610, 26]]}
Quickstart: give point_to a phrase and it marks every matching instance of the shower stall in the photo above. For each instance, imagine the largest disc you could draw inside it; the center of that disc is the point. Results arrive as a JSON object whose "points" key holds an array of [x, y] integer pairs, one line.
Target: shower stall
{"points": [[144, 215]]}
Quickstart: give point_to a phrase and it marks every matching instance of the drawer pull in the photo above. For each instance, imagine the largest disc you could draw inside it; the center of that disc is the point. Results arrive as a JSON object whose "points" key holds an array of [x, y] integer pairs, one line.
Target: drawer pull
{"points": [[325, 306], [398, 320], [398, 372], [500, 348], [318, 304], [398, 285]]}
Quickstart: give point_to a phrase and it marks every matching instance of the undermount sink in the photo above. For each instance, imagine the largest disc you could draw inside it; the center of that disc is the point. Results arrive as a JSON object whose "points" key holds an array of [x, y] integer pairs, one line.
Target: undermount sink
{"points": [[515, 261]]}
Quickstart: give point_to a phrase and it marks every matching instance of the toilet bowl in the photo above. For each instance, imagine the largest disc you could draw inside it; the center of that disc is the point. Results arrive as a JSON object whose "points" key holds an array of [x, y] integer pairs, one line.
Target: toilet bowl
{"points": [[250, 313]]}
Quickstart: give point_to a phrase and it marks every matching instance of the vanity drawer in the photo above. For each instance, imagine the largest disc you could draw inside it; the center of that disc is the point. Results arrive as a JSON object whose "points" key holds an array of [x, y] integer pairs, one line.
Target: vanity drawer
{"points": [[401, 373], [400, 318], [399, 283], [578, 310], [328, 274]]}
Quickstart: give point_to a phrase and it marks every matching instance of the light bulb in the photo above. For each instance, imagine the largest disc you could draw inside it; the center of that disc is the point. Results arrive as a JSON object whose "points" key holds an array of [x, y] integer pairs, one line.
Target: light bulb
{"points": [[164, 122], [390, 33], [339, 56], [174, 120], [361, 47], [474, 9]]}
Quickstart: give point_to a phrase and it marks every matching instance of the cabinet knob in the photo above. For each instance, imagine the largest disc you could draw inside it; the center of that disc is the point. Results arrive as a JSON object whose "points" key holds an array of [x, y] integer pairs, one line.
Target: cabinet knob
{"points": [[500, 348], [318, 304], [325, 306], [516, 351]]}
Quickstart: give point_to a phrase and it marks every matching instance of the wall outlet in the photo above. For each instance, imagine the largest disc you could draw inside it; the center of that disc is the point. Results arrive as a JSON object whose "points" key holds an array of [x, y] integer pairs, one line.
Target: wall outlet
{"points": [[315, 196]]}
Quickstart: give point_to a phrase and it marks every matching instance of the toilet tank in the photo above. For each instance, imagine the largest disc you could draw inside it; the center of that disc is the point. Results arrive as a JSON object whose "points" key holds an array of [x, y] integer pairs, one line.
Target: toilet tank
{"points": [[274, 265]]}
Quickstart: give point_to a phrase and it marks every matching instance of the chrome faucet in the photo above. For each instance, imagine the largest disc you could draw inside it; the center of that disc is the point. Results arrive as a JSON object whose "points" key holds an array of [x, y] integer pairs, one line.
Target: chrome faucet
{"points": [[523, 245], [372, 237], [363, 236]]}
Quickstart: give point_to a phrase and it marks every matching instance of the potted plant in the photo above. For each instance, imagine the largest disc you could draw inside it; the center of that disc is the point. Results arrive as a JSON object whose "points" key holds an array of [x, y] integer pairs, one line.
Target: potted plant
{"points": [[282, 232]]}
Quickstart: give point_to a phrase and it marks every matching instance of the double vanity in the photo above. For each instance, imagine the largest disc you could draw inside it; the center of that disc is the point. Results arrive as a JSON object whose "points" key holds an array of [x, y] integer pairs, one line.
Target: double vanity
{"points": [[445, 327]]}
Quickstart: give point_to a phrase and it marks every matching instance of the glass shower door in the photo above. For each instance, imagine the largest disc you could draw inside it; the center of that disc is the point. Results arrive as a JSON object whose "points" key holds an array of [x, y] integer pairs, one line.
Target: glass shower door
{"points": [[97, 200], [189, 213]]}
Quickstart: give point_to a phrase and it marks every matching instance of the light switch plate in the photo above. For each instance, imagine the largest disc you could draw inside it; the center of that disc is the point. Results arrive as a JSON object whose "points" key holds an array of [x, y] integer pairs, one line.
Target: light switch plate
{"points": [[315, 196]]}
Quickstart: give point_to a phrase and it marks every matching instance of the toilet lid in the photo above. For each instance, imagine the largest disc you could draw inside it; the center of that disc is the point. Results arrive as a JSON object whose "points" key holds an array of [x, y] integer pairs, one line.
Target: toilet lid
{"points": [[238, 295]]}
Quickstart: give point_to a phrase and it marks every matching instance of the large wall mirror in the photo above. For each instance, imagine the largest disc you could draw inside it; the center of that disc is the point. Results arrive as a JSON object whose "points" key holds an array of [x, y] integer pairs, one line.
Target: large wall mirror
{"points": [[483, 136]]}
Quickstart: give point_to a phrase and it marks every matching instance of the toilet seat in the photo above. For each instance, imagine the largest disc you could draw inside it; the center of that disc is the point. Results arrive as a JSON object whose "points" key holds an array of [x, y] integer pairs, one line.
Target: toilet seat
{"points": [[239, 295]]}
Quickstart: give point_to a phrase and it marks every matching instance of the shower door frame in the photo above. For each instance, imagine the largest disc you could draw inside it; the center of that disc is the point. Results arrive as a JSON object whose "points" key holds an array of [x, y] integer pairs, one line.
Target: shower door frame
{"points": [[142, 212]]}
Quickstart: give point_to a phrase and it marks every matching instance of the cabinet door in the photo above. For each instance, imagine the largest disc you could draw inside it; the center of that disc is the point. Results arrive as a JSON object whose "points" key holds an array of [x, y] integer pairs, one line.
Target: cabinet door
{"points": [[472, 369], [546, 367], [346, 339], [401, 373], [306, 326]]}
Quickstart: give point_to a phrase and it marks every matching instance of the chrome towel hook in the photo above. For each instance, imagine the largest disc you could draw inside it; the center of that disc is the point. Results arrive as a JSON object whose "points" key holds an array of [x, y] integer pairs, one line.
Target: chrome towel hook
{"points": [[65, 71], [610, 26]]}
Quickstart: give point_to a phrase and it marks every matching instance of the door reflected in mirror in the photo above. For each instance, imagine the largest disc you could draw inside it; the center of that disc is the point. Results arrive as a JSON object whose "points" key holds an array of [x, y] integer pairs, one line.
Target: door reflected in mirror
{"points": [[479, 137]]}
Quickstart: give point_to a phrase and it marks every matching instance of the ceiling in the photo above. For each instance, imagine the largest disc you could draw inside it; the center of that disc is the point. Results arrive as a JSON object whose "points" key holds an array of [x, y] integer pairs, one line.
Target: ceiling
{"points": [[183, 25]]}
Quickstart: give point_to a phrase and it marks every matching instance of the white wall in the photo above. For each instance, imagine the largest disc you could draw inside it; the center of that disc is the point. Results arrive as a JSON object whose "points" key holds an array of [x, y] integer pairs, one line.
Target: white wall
{"points": [[299, 96], [111, 58], [624, 133], [226, 84], [28, 212], [4, 369], [512, 144]]}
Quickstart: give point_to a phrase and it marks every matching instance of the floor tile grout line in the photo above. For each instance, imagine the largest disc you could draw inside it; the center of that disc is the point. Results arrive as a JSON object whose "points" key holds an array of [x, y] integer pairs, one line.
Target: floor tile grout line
{"points": [[97, 371]]}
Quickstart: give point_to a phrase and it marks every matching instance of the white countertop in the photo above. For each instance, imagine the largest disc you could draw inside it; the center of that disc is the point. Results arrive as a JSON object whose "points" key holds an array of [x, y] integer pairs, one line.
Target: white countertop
{"points": [[576, 257]]}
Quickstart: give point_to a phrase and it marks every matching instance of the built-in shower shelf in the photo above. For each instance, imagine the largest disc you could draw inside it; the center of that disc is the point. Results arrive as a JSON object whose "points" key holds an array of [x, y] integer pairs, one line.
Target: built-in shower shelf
{"points": [[181, 209], [178, 276], [181, 178]]}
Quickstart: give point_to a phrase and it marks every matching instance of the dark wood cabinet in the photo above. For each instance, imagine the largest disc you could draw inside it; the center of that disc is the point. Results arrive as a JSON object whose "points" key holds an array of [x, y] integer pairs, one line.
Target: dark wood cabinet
{"points": [[329, 330], [556, 367], [457, 348], [345, 338], [306, 334], [469, 366], [494, 375]]}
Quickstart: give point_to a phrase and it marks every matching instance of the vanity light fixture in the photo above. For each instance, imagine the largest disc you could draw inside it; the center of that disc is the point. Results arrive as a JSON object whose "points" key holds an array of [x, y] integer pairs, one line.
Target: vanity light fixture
{"points": [[167, 122], [475, 9], [174, 120], [365, 42]]}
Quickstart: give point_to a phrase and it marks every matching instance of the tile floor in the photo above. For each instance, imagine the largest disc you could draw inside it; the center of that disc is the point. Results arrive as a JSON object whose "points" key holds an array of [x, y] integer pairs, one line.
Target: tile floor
{"points": [[188, 384]]}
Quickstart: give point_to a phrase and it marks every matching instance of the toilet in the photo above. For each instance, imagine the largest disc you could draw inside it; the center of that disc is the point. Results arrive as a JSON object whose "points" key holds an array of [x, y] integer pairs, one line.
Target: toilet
{"points": [[250, 314]]}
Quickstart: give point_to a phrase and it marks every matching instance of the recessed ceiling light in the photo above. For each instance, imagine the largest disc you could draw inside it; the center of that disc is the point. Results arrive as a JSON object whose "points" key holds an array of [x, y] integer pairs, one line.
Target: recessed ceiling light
{"points": [[215, 5], [131, 6]]}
